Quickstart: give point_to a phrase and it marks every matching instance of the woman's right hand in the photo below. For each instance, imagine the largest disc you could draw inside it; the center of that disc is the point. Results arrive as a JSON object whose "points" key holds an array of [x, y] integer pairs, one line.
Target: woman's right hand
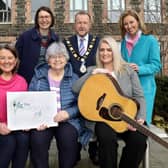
{"points": [[4, 130], [42, 127], [134, 66], [100, 70]]}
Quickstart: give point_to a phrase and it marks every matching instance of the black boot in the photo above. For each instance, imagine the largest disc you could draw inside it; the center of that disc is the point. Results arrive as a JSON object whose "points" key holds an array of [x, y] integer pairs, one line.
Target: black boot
{"points": [[93, 152]]}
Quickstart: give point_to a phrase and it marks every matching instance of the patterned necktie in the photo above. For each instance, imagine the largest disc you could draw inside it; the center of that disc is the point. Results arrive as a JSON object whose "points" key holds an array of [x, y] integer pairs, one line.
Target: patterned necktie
{"points": [[82, 47]]}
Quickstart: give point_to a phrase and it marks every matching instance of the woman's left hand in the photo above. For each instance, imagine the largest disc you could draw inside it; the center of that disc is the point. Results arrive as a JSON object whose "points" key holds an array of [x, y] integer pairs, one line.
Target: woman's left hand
{"points": [[134, 66], [4, 130], [140, 121], [61, 116]]}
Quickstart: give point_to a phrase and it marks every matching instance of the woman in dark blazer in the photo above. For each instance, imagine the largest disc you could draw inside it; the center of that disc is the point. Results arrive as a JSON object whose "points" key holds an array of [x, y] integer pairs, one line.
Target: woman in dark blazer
{"points": [[32, 44]]}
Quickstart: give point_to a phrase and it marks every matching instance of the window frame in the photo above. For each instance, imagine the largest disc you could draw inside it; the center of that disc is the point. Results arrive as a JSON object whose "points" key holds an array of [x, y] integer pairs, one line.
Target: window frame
{"points": [[6, 13]]}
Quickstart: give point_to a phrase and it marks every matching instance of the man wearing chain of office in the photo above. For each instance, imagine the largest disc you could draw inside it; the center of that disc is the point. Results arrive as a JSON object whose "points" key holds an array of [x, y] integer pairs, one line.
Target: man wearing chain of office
{"points": [[82, 48]]}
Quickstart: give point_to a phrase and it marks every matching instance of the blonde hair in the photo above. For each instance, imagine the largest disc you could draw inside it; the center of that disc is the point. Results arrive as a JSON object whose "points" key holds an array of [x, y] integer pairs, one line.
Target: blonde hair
{"points": [[134, 14], [118, 61]]}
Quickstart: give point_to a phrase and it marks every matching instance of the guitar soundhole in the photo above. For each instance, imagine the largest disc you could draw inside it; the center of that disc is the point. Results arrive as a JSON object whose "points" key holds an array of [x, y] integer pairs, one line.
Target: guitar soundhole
{"points": [[115, 111], [104, 113]]}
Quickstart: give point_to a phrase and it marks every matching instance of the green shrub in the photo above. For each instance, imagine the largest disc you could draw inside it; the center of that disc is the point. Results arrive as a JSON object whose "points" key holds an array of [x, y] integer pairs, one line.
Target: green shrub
{"points": [[161, 99]]}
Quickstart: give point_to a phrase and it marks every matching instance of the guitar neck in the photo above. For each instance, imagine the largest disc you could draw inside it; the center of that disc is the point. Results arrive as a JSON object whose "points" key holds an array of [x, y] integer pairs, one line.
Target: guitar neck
{"points": [[143, 129]]}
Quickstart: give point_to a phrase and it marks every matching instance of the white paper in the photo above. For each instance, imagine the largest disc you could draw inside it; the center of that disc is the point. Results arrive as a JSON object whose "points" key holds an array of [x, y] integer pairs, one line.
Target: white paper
{"points": [[26, 110]]}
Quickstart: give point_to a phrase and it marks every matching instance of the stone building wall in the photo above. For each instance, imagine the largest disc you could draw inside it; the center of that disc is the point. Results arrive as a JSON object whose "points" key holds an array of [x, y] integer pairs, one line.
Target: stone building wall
{"points": [[21, 21]]}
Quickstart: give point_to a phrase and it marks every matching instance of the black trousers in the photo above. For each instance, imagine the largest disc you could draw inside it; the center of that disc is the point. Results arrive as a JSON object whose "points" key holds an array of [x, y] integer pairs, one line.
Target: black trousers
{"points": [[66, 140], [14, 147], [132, 153]]}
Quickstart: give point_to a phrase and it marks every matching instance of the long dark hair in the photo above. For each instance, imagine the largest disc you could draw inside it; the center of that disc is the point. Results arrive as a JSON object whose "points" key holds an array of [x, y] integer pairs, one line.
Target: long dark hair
{"points": [[46, 9]]}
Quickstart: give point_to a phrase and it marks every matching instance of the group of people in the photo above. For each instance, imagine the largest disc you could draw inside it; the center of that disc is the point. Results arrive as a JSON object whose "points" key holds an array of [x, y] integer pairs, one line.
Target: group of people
{"points": [[40, 61]]}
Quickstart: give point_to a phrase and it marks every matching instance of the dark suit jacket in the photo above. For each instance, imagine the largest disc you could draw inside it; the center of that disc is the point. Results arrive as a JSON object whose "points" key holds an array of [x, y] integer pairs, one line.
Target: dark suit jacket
{"points": [[28, 46], [91, 59]]}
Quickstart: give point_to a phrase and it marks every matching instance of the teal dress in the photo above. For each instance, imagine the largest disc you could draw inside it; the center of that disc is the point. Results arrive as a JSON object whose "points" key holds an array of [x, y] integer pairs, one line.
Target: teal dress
{"points": [[146, 54]]}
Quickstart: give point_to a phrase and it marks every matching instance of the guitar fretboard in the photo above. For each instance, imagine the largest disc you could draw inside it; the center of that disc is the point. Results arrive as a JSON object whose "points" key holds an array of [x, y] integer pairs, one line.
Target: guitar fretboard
{"points": [[143, 129]]}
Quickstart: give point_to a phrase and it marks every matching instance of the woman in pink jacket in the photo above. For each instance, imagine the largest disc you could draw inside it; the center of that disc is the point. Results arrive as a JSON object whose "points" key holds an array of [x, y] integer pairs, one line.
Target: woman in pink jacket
{"points": [[13, 144]]}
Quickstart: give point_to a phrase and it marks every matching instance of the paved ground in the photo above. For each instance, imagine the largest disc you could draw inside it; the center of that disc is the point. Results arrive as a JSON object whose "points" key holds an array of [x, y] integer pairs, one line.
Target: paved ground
{"points": [[158, 155]]}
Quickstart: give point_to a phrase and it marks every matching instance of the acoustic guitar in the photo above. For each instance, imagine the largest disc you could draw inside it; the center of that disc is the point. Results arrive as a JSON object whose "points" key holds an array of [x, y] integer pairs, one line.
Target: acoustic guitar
{"points": [[101, 99]]}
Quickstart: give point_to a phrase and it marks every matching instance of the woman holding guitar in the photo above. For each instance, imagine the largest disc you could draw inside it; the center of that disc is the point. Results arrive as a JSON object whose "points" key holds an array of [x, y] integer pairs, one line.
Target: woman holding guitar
{"points": [[111, 64]]}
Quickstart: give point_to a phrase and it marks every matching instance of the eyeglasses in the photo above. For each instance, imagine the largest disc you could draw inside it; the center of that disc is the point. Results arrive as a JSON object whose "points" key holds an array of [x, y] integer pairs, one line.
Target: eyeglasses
{"points": [[44, 17], [57, 57]]}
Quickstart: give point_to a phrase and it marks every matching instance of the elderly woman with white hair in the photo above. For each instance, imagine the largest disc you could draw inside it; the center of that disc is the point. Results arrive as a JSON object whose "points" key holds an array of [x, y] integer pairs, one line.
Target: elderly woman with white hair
{"points": [[57, 75]]}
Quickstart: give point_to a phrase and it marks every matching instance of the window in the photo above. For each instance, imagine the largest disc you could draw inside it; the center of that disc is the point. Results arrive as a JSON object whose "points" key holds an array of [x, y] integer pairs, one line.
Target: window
{"points": [[5, 11], [35, 4], [114, 9], [75, 6], [152, 11]]}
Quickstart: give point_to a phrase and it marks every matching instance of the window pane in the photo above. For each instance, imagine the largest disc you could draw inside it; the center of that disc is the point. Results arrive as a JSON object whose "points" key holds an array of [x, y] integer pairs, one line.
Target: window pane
{"points": [[152, 11], [152, 17], [115, 8], [35, 4], [5, 11], [78, 5], [114, 16], [152, 4], [118, 4]]}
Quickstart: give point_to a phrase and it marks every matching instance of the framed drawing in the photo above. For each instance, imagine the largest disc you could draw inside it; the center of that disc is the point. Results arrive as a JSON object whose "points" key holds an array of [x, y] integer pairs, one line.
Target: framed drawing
{"points": [[27, 110]]}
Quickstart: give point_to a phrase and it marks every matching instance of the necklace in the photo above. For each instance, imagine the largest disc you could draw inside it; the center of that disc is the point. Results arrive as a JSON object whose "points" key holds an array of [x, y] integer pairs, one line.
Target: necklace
{"points": [[78, 57]]}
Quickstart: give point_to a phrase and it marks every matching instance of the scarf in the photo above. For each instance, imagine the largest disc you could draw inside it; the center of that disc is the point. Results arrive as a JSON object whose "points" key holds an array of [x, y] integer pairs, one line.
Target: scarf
{"points": [[130, 42]]}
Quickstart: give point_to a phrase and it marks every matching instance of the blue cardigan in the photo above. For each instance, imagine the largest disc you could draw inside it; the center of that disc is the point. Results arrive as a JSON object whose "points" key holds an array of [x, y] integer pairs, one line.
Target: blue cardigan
{"points": [[40, 82], [28, 47], [146, 54]]}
